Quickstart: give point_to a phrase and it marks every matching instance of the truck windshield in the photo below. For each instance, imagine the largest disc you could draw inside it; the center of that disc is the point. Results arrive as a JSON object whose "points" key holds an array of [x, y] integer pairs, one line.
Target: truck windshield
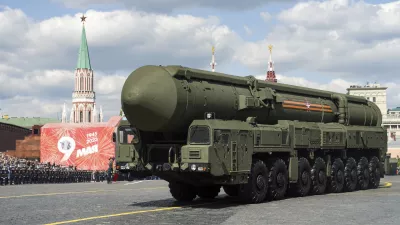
{"points": [[199, 135], [127, 135]]}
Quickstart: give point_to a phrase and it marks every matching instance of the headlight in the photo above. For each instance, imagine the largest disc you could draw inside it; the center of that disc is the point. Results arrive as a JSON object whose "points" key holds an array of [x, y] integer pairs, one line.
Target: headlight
{"points": [[193, 167], [198, 167]]}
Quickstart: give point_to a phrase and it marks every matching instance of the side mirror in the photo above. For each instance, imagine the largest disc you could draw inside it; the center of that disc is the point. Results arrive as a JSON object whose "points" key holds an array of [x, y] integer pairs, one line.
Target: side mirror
{"points": [[114, 137]]}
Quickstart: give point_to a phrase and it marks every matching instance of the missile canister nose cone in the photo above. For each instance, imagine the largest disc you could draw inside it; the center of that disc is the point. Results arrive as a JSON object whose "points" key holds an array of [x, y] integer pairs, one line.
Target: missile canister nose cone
{"points": [[149, 98]]}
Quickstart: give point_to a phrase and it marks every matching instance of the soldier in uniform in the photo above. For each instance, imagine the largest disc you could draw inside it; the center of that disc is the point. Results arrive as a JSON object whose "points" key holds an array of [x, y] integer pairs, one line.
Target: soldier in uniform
{"points": [[110, 169]]}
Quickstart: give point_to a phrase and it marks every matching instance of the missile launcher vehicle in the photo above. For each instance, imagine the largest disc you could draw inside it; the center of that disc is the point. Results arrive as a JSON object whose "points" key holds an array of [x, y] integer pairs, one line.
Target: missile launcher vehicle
{"points": [[259, 140]]}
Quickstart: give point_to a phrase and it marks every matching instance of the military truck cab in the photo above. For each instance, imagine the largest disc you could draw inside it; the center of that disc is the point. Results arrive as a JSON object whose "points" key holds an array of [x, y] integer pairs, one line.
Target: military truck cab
{"points": [[219, 147], [127, 142]]}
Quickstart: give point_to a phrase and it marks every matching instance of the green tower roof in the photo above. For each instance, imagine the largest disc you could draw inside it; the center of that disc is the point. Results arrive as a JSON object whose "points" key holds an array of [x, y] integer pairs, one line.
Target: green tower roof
{"points": [[83, 59]]}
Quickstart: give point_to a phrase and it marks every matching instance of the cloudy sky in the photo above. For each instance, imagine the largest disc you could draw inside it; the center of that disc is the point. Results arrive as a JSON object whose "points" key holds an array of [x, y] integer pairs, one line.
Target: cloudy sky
{"points": [[322, 44]]}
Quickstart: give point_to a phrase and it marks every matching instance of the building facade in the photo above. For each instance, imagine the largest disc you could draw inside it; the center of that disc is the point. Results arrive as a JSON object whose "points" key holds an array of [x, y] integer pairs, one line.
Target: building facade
{"points": [[9, 134], [372, 92], [390, 117]]}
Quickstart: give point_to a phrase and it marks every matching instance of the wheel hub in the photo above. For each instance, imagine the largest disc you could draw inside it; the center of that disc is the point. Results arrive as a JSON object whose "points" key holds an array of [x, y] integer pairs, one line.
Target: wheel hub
{"points": [[366, 173], [279, 180], [260, 182], [304, 177], [377, 173], [353, 175], [321, 177], [340, 176]]}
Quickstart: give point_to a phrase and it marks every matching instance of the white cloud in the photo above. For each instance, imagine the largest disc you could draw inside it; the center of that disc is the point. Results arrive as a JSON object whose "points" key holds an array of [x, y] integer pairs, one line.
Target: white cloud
{"points": [[44, 92], [128, 37], [360, 39], [37, 58], [171, 5], [266, 16], [248, 30]]}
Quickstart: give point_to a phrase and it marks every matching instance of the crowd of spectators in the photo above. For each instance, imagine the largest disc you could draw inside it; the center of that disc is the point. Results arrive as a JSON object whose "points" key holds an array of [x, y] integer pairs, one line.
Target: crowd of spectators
{"points": [[10, 163]]}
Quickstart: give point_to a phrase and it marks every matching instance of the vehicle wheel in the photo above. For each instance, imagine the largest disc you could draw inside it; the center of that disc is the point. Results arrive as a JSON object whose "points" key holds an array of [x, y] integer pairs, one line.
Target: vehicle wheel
{"points": [[182, 192], [374, 172], [278, 180], [337, 176], [303, 185], [318, 176], [363, 173], [231, 190], [208, 191], [350, 175], [130, 177], [256, 188]]}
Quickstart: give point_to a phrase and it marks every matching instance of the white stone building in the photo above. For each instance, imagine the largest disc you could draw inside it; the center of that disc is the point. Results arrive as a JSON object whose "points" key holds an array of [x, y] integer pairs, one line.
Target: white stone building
{"points": [[390, 118], [372, 92]]}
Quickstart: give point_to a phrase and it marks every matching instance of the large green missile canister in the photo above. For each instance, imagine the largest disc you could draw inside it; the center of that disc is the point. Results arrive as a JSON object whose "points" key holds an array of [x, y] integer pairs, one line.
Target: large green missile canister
{"points": [[169, 98]]}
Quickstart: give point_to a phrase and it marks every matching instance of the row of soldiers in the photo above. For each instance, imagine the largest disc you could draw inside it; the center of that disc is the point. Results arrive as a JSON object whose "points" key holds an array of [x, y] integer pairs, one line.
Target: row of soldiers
{"points": [[16, 171], [44, 176]]}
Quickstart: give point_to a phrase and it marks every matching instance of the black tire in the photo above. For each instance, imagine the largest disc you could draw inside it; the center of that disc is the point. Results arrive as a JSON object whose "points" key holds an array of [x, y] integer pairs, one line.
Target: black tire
{"points": [[363, 173], [182, 192], [208, 192], [256, 188], [318, 177], [278, 180], [374, 172], [337, 176], [350, 175], [303, 185], [130, 177], [231, 190]]}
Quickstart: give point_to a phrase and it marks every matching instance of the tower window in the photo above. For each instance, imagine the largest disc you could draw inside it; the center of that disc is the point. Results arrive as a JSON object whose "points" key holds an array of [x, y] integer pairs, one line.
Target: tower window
{"points": [[373, 99], [90, 116], [81, 116]]}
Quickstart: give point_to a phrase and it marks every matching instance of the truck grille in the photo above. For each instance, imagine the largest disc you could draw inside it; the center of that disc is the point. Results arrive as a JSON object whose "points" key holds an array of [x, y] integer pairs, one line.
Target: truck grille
{"points": [[194, 154]]}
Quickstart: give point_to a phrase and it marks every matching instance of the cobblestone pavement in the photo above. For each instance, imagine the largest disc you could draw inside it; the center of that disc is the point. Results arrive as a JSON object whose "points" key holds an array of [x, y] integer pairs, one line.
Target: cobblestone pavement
{"points": [[149, 202]]}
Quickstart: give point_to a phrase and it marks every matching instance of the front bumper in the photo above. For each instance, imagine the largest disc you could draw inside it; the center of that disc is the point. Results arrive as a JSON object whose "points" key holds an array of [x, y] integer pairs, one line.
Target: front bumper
{"points": [[126, 166], [182, 167]]}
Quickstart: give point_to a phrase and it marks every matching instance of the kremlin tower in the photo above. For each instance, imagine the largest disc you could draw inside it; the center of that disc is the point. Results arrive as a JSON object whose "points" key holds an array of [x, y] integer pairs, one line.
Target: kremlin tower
{"points": [[271, 72], [83, 96], [213, 63]]}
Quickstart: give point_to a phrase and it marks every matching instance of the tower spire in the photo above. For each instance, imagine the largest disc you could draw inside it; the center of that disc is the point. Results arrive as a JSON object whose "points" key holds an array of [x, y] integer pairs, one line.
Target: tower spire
{"points": [[64, 115], [83, 58], [101, 114], [94, 119], [271, 72], [213, 63], [83, 97]]}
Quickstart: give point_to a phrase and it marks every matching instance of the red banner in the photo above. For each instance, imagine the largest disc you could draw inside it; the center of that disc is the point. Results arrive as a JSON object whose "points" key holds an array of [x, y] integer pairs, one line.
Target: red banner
{"points": [[88, 147]]}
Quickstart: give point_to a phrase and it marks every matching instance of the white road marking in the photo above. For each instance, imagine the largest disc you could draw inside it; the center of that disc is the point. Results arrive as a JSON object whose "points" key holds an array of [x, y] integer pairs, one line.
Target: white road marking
{"points": [[134, 182]]}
